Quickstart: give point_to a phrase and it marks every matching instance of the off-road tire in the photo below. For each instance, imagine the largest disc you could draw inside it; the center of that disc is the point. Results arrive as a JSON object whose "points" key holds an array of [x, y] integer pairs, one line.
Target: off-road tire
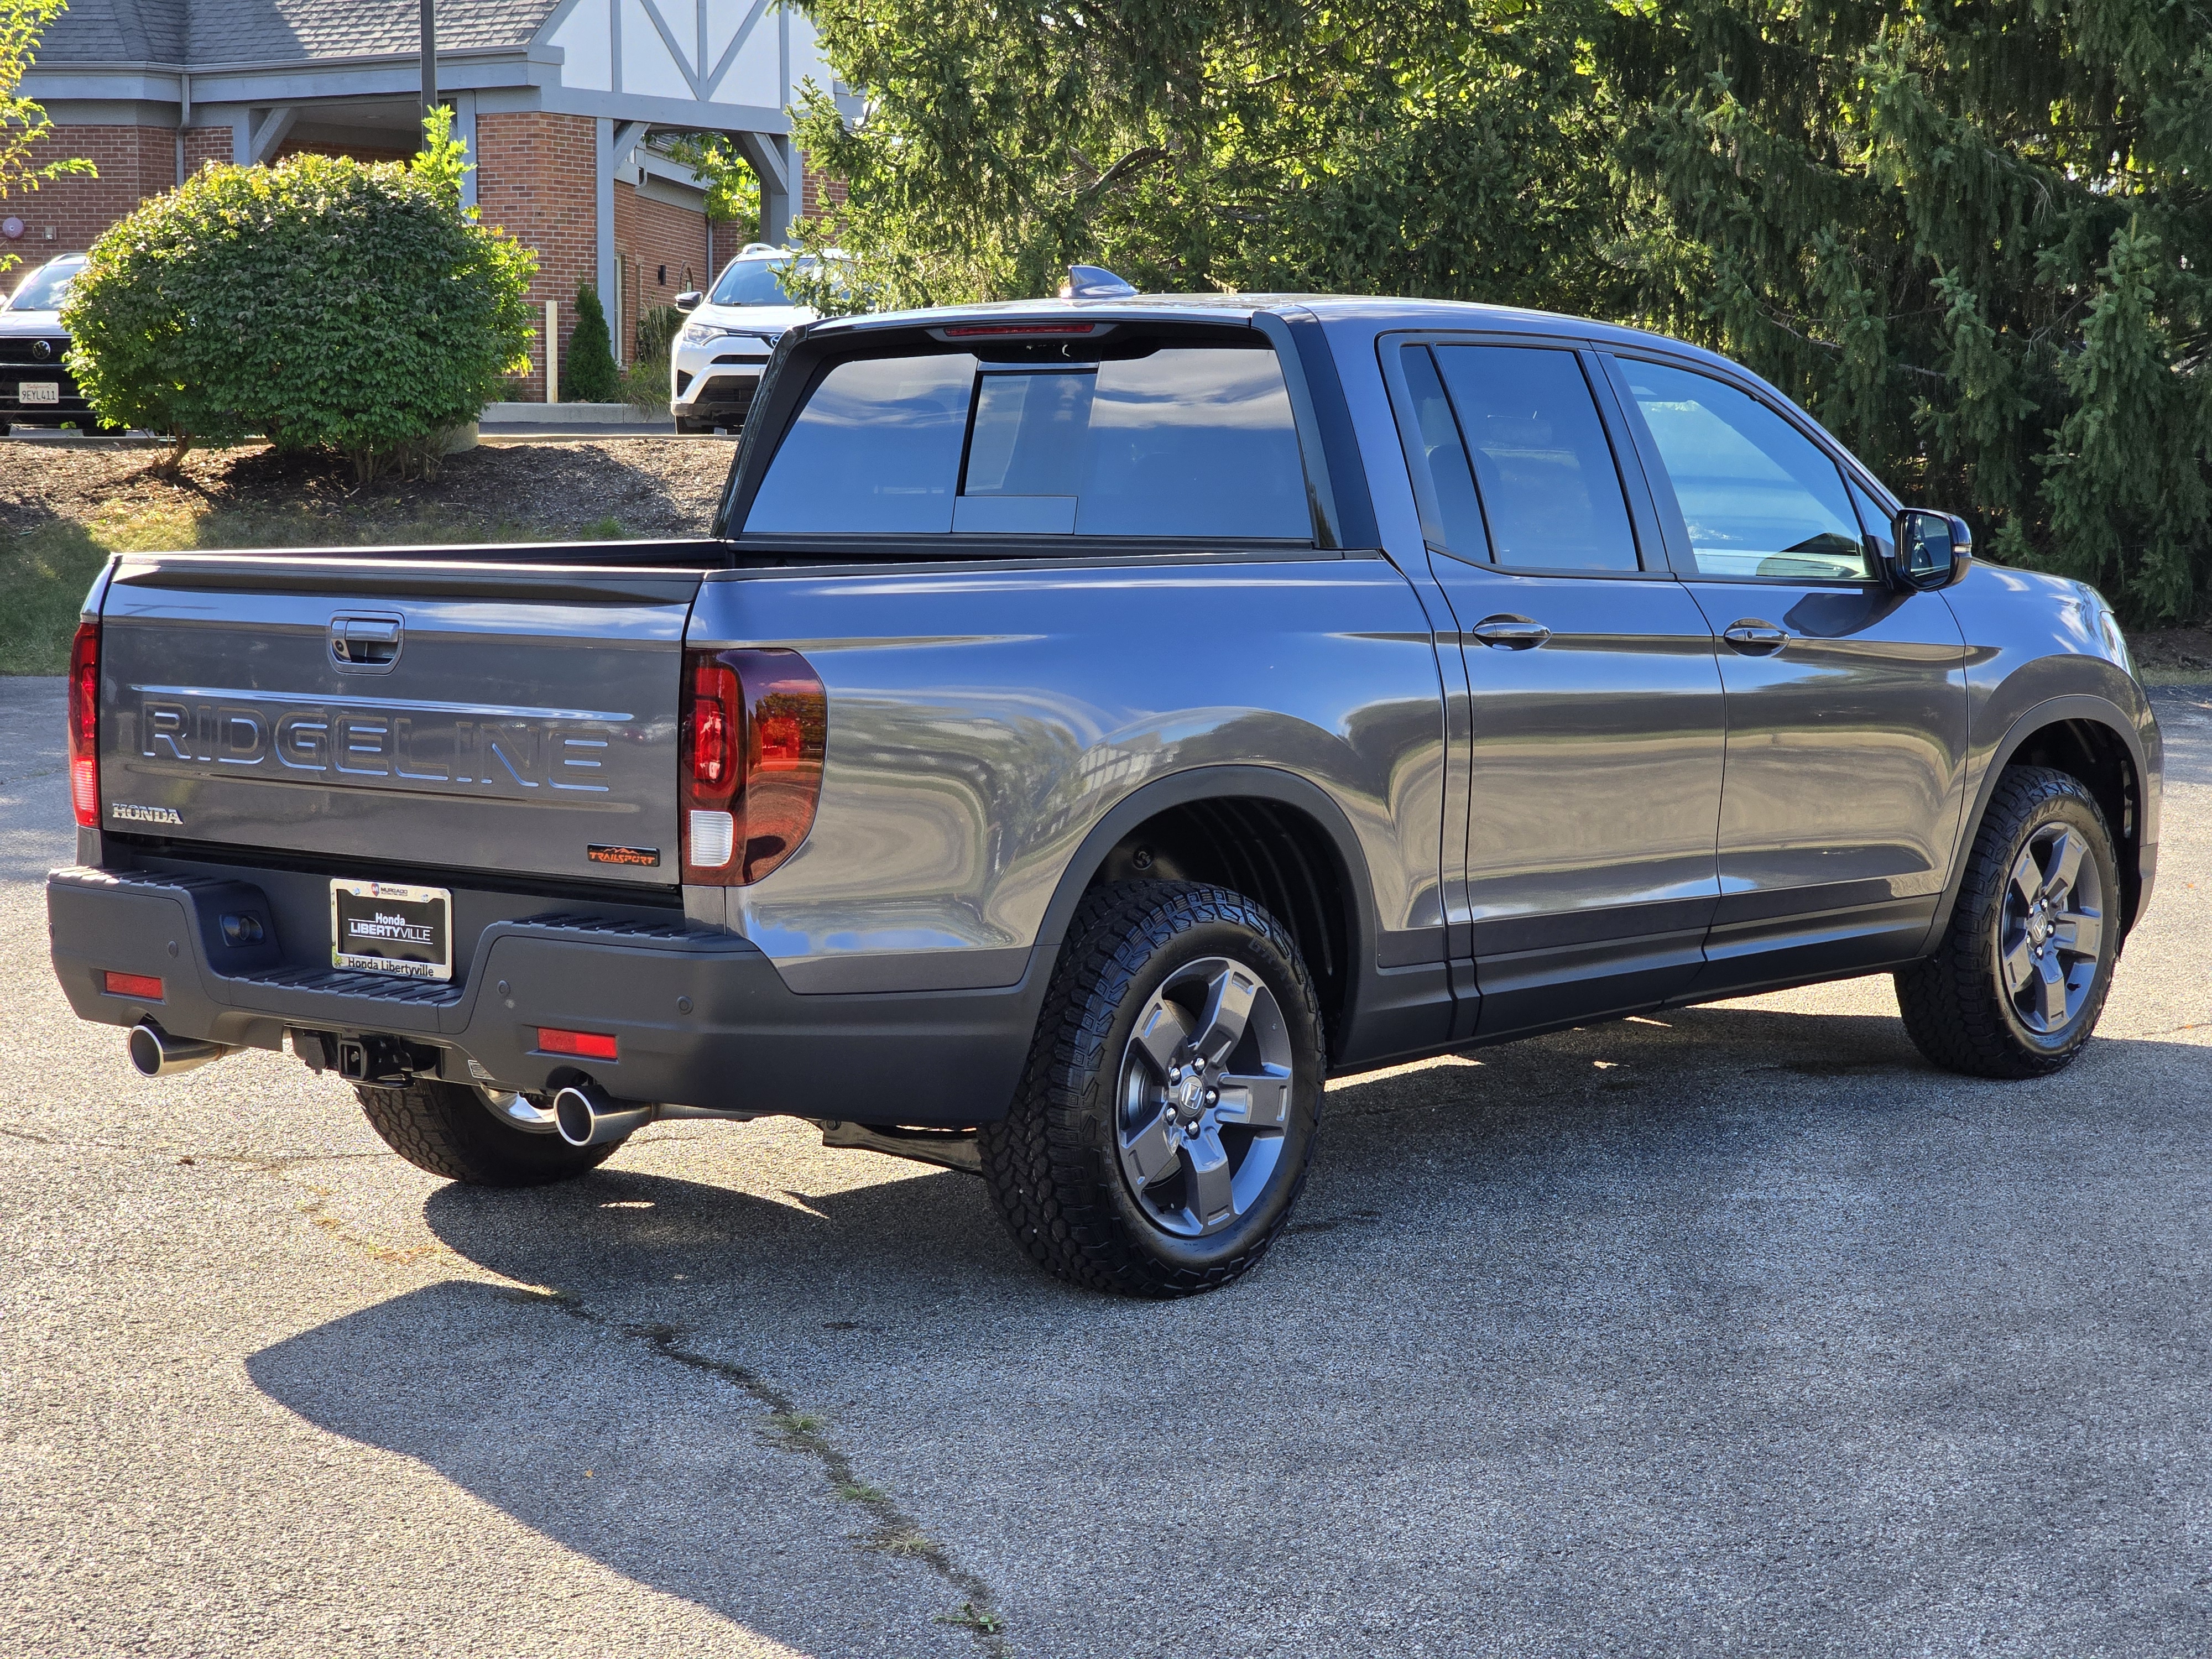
{"points": [[1052, 1165], [449, 1129], [1955, 1004]]}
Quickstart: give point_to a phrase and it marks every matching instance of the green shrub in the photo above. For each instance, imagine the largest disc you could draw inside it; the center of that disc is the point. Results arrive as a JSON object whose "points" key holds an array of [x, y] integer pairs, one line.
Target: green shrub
{"points": [[323, 302], [646, 384], [588, 374]]}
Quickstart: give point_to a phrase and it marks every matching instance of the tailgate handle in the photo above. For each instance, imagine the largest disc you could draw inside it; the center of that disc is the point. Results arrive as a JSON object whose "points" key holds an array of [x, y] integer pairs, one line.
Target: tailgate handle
{"points": [[365, 641]]}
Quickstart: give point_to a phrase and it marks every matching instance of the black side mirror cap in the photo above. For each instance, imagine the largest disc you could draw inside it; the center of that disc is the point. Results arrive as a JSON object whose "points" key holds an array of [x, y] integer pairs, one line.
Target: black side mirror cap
{"points": [[689, 300], [1932, 549]]}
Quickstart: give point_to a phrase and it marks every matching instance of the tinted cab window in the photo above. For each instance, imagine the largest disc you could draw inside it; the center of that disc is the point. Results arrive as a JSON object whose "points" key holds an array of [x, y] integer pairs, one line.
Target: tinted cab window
{"points": [[1520, 470], [1147, 439], [1759, 497]]}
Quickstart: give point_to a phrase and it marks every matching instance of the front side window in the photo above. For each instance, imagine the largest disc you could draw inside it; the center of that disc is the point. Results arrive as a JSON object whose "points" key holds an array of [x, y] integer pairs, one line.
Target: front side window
{"points": [[1158, 442], [1759, 497], [1550, 491]]}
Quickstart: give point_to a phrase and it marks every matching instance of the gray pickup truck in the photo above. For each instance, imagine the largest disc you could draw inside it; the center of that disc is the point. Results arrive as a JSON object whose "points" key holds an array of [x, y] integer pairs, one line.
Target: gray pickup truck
{"points": [[1092, 725]]}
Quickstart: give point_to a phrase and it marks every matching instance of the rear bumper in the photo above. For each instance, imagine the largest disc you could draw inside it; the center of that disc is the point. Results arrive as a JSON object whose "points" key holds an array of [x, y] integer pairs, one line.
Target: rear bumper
{"points": [[700, 1018]]}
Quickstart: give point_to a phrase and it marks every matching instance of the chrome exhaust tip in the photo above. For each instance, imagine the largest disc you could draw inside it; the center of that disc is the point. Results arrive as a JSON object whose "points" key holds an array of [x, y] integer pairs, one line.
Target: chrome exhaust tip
{"points": [[156, 1053], [585, 1114]]}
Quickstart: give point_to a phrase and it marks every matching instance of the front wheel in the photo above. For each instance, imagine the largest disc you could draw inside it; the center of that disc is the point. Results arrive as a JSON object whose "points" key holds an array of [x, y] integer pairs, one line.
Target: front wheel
{"points": [[480, 1137], [2015, 988], [1168, 1114]]}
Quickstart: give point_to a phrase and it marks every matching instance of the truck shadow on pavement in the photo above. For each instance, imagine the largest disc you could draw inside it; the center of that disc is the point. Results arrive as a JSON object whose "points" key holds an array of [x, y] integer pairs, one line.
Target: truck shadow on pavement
{"points": [[1788, 1207]]}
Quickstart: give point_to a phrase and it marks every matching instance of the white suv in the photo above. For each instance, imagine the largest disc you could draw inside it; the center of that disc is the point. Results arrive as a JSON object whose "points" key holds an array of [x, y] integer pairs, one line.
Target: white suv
{"points": [[715, 366]]}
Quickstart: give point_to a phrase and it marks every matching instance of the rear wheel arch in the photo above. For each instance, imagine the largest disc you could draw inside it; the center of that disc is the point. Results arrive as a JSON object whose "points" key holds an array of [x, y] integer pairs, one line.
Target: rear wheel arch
{"points": [[1270, 835]]}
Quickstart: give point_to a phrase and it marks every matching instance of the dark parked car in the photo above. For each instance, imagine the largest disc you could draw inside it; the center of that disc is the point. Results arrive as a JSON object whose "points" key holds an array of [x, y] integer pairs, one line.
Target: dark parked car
{"points": [[1091, 725], [35, 389]]}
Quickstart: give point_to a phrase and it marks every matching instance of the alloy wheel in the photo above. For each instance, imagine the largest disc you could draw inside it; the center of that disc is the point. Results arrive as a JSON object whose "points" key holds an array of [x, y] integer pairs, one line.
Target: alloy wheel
{"points": [[1205, 1098], [2052, 931]]}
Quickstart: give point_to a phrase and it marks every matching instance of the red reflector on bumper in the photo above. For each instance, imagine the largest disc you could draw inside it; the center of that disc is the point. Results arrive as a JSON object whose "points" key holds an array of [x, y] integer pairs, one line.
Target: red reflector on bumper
{"points": [[589, 1045], [143, 987]]}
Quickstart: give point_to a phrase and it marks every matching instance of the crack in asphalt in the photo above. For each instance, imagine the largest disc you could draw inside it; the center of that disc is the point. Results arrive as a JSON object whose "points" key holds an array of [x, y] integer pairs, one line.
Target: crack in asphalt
{"points": [[897, 1533]]}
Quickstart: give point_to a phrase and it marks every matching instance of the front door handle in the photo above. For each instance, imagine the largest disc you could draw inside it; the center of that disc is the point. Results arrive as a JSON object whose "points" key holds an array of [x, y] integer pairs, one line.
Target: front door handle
{"points": [[1756, 639], [1513, 633]]}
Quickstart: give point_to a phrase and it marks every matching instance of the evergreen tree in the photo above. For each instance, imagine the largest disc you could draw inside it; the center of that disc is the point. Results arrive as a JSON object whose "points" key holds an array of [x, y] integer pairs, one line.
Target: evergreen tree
{"points": [[588, 374], [1384, 146], [1971, 238]]}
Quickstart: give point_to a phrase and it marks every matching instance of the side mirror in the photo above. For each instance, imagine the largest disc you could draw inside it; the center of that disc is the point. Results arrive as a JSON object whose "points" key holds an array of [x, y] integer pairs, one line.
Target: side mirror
{"points": [[1933, 550], [688, 301]]}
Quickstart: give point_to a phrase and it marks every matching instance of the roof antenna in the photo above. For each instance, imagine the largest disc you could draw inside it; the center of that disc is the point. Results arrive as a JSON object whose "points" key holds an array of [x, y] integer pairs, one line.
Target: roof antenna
{"points": [[1095, 282]]}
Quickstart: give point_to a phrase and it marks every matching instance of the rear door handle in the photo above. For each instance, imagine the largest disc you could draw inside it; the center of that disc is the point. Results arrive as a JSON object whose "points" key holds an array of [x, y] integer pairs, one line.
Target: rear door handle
{"points": [[1513, 633], [1756, 639]]}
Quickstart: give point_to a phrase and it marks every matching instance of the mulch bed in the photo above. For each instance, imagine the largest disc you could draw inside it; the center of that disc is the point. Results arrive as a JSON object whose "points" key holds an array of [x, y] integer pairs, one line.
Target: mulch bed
{"points": [[651, 487]]}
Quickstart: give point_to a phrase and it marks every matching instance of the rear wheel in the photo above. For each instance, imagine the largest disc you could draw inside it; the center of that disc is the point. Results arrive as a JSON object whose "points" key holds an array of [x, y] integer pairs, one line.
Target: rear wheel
{"points": [[1169, 1112], [481, 1137], [2015, 988], [692, 428]]}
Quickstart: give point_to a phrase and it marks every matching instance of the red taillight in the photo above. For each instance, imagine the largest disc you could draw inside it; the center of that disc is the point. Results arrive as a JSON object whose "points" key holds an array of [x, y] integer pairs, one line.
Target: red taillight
{"points": [[142, 987], [84, 726], [716, 701], [755, 726], [586, 1045]]}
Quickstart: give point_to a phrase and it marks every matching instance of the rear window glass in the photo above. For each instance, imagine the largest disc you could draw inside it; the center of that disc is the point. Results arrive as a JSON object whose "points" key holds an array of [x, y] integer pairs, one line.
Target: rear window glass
{"points": [[1188, 441], [875, 451]]}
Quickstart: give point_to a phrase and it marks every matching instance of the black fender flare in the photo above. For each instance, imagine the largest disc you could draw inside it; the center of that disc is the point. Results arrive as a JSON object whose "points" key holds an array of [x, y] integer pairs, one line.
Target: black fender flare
{"points": [[1203, 783], [2078, 706]]}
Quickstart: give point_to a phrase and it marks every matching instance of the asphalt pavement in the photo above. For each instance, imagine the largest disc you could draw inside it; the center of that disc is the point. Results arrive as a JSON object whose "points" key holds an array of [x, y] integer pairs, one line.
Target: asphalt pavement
{"points": [[1735, 1330]]}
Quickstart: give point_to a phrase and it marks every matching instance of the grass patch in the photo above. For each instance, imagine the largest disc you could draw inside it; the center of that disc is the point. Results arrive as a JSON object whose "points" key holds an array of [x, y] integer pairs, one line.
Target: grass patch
{"points": [[45, 571], [971, 1617], [44, 577]]}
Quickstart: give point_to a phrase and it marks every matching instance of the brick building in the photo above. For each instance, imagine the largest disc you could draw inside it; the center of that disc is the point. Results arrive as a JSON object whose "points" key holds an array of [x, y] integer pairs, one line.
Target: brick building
{"points": [[558, 100]]}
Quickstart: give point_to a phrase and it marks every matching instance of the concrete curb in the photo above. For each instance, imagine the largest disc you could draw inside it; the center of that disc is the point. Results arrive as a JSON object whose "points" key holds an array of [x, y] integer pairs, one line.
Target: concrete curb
{"points": [[560, 415]]}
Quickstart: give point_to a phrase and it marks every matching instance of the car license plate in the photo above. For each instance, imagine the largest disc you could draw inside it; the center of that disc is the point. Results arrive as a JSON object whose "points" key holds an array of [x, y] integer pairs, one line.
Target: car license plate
{"points": [[38, 391], [384, 927]]}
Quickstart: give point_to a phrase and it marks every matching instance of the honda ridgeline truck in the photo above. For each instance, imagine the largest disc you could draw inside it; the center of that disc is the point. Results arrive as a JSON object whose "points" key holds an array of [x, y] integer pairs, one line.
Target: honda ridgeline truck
{"points": [[1091, 725]]}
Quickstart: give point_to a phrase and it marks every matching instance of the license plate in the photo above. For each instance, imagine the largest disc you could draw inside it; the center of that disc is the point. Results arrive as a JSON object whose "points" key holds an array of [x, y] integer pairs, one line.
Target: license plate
{"points": [[38, 391], [384, 927]]}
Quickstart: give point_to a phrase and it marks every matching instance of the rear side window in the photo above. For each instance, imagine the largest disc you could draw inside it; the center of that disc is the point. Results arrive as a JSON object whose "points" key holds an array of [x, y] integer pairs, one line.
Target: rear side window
{"points": [[1458, 529], [1759, 497], [1551, 493], [1171, 442]]}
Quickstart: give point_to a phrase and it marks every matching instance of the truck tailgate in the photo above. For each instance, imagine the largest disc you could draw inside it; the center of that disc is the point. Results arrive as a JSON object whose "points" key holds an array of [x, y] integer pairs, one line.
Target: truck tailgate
{"points": [[518, 720]]}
